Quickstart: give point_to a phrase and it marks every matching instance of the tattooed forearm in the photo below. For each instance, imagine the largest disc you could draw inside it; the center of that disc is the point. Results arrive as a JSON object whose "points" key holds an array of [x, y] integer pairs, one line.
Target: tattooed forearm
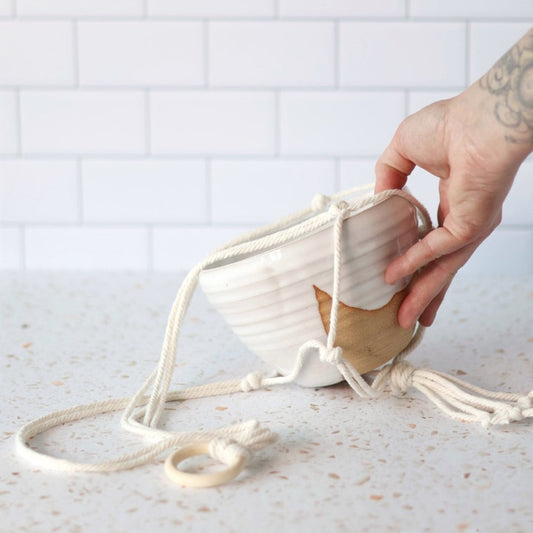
{"points": [[510, 81]]}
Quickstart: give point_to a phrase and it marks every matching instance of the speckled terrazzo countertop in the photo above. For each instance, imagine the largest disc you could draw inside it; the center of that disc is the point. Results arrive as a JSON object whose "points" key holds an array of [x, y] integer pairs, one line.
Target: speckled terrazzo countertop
{"points": [[340, 464]]}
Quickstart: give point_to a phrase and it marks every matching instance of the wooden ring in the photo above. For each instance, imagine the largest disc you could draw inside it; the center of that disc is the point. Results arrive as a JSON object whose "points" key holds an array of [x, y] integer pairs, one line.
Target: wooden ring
{"points": [[200, 480]]}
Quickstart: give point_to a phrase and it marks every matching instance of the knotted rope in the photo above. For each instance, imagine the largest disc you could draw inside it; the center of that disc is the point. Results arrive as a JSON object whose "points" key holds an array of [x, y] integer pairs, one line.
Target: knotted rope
{"points": [[236, 443]]}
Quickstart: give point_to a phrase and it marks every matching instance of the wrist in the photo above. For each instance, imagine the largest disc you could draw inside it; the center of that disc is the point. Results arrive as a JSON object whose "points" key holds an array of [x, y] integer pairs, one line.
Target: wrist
{"points": [[506, 93], [475, 110]]}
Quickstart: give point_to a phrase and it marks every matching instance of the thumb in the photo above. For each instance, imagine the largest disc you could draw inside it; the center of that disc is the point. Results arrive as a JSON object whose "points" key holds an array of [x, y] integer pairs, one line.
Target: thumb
{"points": [[392, 168]]}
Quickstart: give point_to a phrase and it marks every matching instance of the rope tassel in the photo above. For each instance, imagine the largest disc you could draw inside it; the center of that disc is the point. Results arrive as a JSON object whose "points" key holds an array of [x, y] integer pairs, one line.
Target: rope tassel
{"points": [[457, 398]]}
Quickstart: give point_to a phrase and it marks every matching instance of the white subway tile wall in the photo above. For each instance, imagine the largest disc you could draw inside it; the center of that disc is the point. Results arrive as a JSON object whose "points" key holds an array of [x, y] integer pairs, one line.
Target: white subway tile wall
{"points": [[211, 8], [483, 9], [8, 122], [82, 122], [10, 249], [36, 53], [338, 123], [144, 191], [517, 207], [173, 247], [419, 99], [272, 54], [355, 172], [149, 53], [141, 134], [342, 8], [212, 122], [413, 48], [489, 40], [259, 191], [6, 8], [33, 190], [54, 247], [80, 8]]}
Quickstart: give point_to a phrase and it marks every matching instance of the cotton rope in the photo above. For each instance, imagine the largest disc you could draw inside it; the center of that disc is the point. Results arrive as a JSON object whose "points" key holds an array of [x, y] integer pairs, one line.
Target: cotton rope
{"points": [[233, 445]]}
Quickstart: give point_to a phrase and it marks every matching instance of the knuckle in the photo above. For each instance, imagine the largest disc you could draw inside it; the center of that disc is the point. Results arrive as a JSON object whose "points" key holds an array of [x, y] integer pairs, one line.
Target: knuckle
{"points": [[444, 272], [468, 231], [431, 252]]}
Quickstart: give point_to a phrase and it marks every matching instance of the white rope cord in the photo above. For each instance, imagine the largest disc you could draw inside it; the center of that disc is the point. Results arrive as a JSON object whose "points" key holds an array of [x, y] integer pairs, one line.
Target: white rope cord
{"points": [[274, 234], [455, 397]]}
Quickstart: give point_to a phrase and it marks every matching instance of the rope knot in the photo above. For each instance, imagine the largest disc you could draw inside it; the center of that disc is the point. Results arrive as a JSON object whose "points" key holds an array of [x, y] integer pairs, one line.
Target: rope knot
{"points": [[401, 377], [485, 420], [525, 402], [332, 355], [228, 451], [255, 437], [320, 202], [252, 381], [506, 414], [338, 208]]}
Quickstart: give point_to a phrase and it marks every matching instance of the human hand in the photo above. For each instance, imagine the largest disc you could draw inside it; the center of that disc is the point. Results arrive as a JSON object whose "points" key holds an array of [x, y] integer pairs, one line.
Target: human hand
{"points": [[472, 146]]}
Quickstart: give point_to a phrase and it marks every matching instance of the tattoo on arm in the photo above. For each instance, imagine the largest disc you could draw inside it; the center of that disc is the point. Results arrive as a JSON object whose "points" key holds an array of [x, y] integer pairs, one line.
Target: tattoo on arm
{"points": [[510, 80]]}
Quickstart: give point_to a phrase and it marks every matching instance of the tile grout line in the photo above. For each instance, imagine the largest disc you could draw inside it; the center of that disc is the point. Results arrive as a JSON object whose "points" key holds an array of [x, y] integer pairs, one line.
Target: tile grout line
{"points": [[337, 175], [277, 125], [75, 55], [208, 192], [467, 53], [79, 184], [258, 18], [205, 29], [336, 52], [18, 119], [353, 89], [22, 251], [150, 248], [268, 156], [147, 124]]}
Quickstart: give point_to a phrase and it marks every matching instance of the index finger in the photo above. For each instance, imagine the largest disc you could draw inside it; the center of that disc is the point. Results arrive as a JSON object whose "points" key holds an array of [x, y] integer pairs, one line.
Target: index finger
{"points": [[435, 244]]}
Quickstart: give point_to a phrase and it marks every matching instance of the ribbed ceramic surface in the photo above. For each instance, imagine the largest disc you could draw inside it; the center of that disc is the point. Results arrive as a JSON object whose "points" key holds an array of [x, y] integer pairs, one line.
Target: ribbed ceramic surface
{"points": [[269, 301]]}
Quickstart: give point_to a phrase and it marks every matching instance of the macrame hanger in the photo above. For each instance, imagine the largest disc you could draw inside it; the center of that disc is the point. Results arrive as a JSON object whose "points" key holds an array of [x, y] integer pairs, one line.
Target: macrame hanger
{"points": [[234, 444]]}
